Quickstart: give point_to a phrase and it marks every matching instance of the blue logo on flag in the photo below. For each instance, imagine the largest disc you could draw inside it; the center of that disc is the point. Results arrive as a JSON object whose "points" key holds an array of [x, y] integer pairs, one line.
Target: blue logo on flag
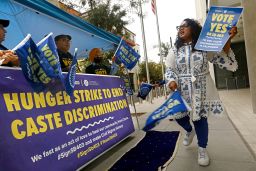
{"points": [[70, 79]]}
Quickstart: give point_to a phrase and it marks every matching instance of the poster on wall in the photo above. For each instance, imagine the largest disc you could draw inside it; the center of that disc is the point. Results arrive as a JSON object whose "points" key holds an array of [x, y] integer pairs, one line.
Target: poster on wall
{"points": [[45, 131], [215, 32]]}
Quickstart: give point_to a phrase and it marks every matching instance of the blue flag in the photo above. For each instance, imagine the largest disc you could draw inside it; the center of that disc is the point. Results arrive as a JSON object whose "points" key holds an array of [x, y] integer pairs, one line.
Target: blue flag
{"points": [[48, 52], [41, 67], [31, 65], [127, 83], [144, 90], [127, 55], [162, 82], [71, 76], [174, 104], [114, 68]]}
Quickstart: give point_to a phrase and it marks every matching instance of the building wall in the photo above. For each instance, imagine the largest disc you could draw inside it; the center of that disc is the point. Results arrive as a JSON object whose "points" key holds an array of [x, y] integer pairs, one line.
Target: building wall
{"points": [[54, 2], [69, 10], [201, 10], [238, 79], [246, 28], [250, 39], [222, 78]]}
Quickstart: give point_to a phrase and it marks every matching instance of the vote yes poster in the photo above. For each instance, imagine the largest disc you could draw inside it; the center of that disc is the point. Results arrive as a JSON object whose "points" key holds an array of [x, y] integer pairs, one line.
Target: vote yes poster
{"points": [[215, 32]]}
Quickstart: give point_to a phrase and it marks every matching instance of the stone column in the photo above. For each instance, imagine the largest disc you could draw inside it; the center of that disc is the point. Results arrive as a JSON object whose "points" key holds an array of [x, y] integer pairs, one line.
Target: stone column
{"points": [[249, 24]]}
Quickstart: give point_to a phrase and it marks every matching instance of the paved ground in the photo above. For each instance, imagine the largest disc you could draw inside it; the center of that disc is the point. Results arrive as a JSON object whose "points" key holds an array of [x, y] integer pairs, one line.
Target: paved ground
{"points": [[228, 150], [239, 108]]}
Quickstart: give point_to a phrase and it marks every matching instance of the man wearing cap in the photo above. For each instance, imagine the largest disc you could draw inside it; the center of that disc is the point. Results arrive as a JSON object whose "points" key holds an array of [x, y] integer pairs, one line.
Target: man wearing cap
{"points": [[7, 57], [63, 44], [97, 67]]}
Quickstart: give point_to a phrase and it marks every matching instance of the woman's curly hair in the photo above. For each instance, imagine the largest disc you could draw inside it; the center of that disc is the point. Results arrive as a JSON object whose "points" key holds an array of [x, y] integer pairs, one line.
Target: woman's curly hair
{"points": [[195, 29]]}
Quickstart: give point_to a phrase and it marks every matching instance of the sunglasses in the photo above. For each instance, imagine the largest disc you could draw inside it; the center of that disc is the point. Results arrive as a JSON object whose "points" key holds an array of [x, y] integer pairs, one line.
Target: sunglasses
{"points": [[181, 27]]}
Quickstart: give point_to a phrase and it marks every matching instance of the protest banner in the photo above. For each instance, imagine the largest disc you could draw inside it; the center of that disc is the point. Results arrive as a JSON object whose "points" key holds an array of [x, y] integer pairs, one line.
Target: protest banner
{"points": [[44, 131], [215, 32]]}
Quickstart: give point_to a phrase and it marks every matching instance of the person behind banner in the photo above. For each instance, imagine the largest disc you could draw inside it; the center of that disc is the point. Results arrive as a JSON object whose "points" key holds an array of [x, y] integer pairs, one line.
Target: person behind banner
{"points": [[97, 66], [7, 57], [63, 45], [188, 71]]}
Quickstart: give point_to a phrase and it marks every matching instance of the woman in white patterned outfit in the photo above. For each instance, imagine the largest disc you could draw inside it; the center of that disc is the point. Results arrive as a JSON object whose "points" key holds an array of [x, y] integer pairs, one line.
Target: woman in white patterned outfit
{"points": [[188, 71]]}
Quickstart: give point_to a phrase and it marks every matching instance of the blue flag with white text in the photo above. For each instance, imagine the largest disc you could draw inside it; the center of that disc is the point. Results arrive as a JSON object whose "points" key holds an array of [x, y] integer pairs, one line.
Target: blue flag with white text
{"points": [[31, 65], [41, 67], [127, 55], [174, 104], [48, 51], [71, 76], [144, 90]]}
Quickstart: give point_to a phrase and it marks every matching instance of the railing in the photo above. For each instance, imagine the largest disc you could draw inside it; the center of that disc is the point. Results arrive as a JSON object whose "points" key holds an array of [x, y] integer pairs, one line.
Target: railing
{"points": [[156, 93], [236, 82]]}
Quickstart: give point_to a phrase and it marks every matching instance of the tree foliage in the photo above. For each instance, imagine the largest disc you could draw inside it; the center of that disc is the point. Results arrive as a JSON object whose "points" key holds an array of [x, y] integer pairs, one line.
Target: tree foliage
{"points": [[102, 13], [155, 71], [165, 49], [91, 3], [135, 5], [82, 5], [107, 17]]}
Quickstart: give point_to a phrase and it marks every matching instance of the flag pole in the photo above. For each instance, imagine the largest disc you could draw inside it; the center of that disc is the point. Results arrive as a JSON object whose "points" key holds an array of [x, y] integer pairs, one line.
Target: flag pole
{"points": [[160, 48], [145, 47], [132, 100]]}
